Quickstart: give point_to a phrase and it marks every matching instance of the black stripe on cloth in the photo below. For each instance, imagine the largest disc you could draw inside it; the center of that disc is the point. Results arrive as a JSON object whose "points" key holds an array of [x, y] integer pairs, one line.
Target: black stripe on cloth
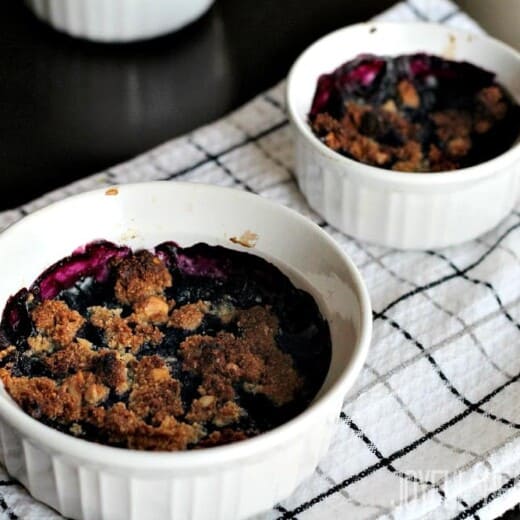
{"points": [[183, 171], [373, 449], [446, 278], [477, 506], [281, 509], [222, 166], [448, 16], [476, 281], [396, 454], [273, 102], [463, 503], [6, 483], [247, 140], [443, 376], [417, 12], [7, 510]]}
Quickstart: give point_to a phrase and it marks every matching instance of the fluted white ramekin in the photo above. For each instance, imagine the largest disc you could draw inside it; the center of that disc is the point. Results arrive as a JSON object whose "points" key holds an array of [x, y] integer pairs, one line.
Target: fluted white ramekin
{"points": [[118, 20], [84, 480], [396, 209]]}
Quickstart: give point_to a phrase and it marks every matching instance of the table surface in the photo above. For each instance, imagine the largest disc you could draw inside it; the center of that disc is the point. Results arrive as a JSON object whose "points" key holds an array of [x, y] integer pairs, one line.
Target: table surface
{"points": [[70, 108]]}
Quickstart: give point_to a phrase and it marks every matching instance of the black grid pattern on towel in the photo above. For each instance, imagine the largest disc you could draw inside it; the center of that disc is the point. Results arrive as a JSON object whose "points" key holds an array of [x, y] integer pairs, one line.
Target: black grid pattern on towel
{"points": [[436, 398]]}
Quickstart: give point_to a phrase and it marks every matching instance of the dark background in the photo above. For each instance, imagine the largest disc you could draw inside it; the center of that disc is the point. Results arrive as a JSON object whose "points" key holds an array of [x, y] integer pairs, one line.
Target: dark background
{"points": [[70, 108]]}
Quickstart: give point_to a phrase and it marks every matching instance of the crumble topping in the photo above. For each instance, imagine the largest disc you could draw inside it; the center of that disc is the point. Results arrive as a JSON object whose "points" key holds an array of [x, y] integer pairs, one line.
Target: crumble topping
{"points": [[190, 316], [139, 276], [151, 358], [415, 113], [56, 321]]}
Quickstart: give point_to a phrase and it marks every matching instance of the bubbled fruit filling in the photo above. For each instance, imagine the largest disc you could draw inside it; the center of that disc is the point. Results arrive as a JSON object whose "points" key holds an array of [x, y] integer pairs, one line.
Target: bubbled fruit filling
{"points": [[168, 349], [414, 113]]}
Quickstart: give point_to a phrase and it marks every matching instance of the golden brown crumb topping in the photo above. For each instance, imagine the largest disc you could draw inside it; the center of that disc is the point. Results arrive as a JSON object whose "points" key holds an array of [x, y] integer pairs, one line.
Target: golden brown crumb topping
{"points": [[139, 276], [76, 356], [190, 316], [120, 387], [155, 394], [124, 333], [54, 319], [405, 134], [252, 358], [153, 309]]}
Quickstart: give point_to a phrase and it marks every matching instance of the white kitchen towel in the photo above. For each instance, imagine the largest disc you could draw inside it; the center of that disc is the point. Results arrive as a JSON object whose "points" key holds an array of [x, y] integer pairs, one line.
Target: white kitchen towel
{"points": [[431, 428]]}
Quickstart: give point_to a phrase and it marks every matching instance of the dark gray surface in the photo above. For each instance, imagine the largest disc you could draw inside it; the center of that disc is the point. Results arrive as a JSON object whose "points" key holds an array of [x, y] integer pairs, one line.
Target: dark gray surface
{"points": [[70, 108]]}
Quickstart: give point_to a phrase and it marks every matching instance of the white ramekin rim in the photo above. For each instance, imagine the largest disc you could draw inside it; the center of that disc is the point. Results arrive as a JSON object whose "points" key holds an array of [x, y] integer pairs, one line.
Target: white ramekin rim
{"points": [[209, 457], [425, 180]]}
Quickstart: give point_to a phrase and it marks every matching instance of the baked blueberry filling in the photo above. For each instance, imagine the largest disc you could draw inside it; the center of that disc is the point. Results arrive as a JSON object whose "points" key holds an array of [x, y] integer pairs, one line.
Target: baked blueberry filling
{"points": [[171, 349], [414, 113]]}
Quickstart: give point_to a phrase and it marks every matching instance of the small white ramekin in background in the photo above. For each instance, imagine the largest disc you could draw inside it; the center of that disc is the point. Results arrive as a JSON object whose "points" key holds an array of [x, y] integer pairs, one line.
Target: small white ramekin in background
{"points": [[89, 481], [396, 209], [118, 20]]}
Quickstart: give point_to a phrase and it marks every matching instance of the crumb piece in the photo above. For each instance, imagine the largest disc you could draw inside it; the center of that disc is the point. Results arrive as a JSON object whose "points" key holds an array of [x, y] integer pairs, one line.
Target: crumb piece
{"points": [[118, 333], [451, 123], [118, 420], [153, 309], [123, 333], [410, 158], [155, 394], [252, 358], [139, 276], [111, 192], [408, 94], [208, 356], [225, 311], [458, 146], [73, 393], [56, 320], [74, 357], [96, 393], [38, 396], [7, 351], [389, 106], [111, 369], [279, 380], [246, 239], [362, 127], [227, 414], [482, 125], [170, 435], [203, 409], [492, 101], [438, 161], [39, 343], [189, 317], [76, 429]]}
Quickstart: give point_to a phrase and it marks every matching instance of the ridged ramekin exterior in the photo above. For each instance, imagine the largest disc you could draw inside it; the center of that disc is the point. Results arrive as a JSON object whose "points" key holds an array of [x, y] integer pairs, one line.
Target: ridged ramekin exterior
{"points": [[405, 217], [82, 490], [118, 20], [89, 481], [396, 209]]}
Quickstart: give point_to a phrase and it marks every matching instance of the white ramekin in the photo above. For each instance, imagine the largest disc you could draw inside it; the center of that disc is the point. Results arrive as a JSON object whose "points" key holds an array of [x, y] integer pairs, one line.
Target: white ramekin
{"points": [[118, 20], [403, 210], [83, 480]]}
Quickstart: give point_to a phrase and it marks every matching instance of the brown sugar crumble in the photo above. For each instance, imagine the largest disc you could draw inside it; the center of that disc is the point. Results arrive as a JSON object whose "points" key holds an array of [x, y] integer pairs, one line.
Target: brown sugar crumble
{"points": [[155, 357], [414, 113]]}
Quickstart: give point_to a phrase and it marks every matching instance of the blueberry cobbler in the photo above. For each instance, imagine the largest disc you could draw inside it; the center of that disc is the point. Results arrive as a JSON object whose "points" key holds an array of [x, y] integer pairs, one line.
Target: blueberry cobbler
{"points": [[170, 349], [414, 113]]}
